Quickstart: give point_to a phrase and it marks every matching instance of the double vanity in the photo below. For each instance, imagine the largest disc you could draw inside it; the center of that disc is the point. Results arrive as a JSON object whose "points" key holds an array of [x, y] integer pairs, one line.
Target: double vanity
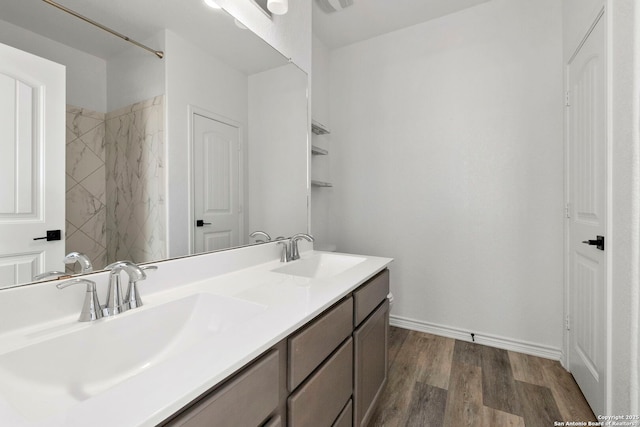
{"points": [[233, 338]]}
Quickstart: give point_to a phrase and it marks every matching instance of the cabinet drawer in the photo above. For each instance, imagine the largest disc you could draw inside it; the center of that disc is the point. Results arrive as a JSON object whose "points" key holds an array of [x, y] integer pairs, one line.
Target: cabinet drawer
{"points": [[276, 422], [370, 295], [246, 401], [309, 347], [319, 401], [345, 419]]}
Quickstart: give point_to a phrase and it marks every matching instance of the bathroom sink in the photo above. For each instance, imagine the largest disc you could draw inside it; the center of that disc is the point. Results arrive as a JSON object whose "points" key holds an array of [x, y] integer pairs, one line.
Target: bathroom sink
{"points": [[52, 375], [319, 266]]}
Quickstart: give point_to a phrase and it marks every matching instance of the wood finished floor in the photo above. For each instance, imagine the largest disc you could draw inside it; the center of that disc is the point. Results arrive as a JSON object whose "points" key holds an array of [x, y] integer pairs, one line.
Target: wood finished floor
{"points": [[442, 382]]}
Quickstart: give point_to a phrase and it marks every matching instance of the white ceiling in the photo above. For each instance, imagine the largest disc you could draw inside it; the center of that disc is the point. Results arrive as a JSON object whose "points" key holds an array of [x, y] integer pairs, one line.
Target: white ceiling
{"points": [[212, 30], [369, 18]]}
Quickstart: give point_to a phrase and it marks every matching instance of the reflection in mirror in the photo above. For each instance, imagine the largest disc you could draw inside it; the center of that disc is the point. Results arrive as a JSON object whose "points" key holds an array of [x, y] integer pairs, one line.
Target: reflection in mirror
{"points": [[214, 134]]}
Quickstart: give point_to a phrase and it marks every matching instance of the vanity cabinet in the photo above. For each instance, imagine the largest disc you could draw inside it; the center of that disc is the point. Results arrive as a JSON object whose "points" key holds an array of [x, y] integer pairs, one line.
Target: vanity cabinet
{"points": [[329, 373]]}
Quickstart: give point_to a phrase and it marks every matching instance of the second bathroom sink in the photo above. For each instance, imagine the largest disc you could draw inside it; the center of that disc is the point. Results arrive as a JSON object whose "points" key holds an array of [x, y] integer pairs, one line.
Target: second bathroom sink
{"points": [[320, 265]]}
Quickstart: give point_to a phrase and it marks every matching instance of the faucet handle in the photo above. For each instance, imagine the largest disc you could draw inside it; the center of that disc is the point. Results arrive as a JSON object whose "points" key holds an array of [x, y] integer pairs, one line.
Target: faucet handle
{"points": [[132, 299], [91, 309], [115, 303], [134, 272], [295, 254]]}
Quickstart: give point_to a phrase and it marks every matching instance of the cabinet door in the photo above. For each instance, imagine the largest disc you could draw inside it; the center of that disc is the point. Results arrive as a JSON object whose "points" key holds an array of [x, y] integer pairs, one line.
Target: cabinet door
{"points": [[371, 365]]}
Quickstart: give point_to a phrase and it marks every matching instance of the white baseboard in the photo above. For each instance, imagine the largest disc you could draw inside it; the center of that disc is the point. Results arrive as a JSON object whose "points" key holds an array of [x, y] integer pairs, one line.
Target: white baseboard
{"points": [[490, 340]]}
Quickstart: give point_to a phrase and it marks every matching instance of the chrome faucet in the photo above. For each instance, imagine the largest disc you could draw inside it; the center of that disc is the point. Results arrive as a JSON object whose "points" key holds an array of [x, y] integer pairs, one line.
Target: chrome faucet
{"points": [[261, 233], [285, 255], [70, 258], [115, 303], [91, 309], [293, 250], [82, 259]]}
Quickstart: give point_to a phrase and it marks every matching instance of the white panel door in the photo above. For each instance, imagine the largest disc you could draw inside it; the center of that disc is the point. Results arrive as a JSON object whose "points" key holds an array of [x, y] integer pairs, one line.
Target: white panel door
{"points": [[588, 199], [216, 163], [32, 163]]}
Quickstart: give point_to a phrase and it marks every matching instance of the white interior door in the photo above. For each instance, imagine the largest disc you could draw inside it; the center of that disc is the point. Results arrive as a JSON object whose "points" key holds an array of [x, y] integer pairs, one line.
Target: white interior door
{"points": [[216, 163], [588, 199], [32, 162]]}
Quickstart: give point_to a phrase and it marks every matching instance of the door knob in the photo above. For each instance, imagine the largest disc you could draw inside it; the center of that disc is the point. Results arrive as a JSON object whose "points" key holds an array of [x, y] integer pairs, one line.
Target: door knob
{"points": [[598, 243], [201, 223], [51, 235]]}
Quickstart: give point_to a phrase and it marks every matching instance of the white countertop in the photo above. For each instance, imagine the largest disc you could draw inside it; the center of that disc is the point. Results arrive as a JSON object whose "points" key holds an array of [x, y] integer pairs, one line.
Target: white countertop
{"points": [[284, 302]]}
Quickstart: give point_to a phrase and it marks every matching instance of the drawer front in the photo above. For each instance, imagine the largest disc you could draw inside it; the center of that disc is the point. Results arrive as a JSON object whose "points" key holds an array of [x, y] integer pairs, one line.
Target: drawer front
{"points": [[345, 419], [309, 347], [319, 401], [370, 295], [276, 422], [371, 363], [246, 401]]}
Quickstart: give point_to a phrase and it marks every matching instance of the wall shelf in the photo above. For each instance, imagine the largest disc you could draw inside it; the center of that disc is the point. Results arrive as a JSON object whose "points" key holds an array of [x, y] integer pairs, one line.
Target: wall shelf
{"points": [[315, 183], [319, 151], [318, 128]]}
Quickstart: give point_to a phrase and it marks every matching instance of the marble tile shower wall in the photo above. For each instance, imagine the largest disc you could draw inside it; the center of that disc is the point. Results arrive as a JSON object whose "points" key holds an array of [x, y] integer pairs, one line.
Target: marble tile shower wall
{"points": [[86, 184], [135, 182]]}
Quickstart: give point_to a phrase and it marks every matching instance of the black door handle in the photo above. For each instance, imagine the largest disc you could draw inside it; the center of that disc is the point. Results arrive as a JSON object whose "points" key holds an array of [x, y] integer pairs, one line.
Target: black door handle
{"points": [[51, 235], [201, 223], [598, 243]]}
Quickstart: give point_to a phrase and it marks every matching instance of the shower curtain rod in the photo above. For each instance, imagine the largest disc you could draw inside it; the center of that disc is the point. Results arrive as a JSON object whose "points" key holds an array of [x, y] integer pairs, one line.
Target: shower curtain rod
{"points": [[158, 53]]}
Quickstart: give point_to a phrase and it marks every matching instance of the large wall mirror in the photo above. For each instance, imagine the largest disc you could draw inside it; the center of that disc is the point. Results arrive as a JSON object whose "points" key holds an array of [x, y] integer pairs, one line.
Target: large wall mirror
{"points": [[168, 157]]}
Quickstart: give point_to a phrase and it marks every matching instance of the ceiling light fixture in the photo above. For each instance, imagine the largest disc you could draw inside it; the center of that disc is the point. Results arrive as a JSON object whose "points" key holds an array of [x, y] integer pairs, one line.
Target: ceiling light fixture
{"points": [[212, 4], [330, 6], [278, 7]]}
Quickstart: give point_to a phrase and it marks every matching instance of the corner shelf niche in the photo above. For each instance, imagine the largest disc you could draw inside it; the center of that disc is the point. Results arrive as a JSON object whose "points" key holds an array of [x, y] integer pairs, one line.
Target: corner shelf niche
{"points": [[318, 151], [316, 183], [318, 128]]}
